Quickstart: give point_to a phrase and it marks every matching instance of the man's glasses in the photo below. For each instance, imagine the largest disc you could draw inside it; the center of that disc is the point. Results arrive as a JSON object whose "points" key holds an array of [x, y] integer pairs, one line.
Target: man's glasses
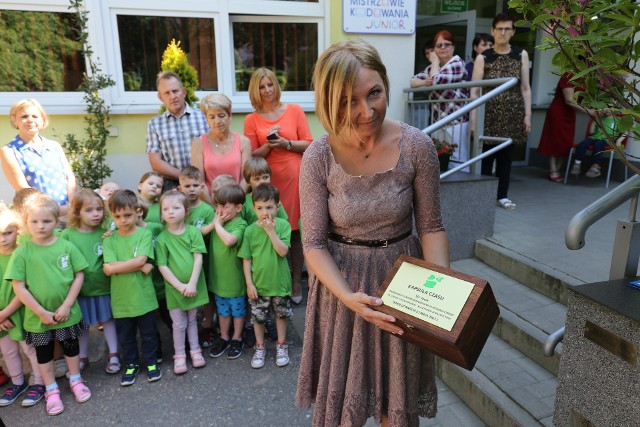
{"points": [[443, 45], [503, 30]]}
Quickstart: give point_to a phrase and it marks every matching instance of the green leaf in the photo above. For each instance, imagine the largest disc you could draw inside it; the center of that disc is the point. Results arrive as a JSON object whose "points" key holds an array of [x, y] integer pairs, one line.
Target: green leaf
{"points": [[625, 123]]}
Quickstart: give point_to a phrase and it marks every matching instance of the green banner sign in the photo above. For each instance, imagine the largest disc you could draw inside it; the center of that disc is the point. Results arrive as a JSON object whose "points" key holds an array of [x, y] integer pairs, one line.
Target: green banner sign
{"points": [[453, 6]]}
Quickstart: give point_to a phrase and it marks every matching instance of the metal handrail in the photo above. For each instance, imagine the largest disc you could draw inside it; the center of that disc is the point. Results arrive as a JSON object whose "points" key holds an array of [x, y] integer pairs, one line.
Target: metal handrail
{"points": [[505, 142]]}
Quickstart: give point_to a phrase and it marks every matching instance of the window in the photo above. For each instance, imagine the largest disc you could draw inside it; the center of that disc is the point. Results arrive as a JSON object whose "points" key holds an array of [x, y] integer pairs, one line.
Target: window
{"points": [[39, 52], [143, 40], [288, 49]]}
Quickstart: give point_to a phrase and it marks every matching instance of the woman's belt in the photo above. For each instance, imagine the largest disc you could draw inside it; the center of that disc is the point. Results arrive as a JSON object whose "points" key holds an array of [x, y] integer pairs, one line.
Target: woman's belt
{"points": [[368, 243]]}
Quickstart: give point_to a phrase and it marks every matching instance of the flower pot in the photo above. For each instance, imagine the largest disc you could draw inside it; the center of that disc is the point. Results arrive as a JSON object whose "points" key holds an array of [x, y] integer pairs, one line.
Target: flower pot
{"points": [[444, 162]]}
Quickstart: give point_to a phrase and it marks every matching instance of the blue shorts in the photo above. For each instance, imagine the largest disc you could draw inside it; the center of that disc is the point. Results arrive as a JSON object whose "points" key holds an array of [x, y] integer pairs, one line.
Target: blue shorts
{"points": [[231, 306]]}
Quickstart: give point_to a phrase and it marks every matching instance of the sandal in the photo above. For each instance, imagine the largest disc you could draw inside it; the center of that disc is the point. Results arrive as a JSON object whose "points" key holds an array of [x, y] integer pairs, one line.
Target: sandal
{"points": [[197, 360], [506, 204], [80, 391], [113, 367], [179, 364], [54, 405], [555, 176], [594, 171]]}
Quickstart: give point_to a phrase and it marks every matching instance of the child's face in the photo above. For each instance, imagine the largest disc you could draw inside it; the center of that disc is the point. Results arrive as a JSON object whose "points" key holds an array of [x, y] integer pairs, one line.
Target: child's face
{"points": [[266, 210], [228, 209], [41, 224], [151, 188], [256, 180], [173, 211], [92, 213], [107, 189], [8, 237], [125, 219], [192, 188]]}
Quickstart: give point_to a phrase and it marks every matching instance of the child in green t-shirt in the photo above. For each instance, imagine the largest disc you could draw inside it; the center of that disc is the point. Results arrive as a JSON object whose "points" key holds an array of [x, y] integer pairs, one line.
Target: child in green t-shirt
{"points": [[150, 189], [133, 299], [226, 278], [179, 250], [12, 336], [264, 249], [85, 230], [47, 278], [256, 171]]}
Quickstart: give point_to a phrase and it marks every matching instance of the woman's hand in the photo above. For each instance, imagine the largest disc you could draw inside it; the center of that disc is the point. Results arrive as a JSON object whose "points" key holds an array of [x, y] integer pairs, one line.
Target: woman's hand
{"points": [[433, 57], [360, 303]]}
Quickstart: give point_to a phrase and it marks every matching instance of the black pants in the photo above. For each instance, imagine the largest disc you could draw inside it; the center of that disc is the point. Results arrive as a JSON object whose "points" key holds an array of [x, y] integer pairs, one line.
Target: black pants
{"points": [[503, 167], [127, 328]]}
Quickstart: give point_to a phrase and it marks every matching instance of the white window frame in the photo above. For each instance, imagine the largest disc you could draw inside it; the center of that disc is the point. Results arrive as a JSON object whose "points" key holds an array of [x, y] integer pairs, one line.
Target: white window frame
{"points": [[103, 36]]}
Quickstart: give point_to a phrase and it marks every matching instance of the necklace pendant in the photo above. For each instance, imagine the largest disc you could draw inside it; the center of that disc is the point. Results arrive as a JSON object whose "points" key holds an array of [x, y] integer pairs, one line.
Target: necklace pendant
{"points": [[366, 156]]}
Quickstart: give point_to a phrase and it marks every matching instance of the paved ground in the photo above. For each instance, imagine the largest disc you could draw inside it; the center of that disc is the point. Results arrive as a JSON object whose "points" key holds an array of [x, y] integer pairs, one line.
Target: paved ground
{"points": [[230, 393]]}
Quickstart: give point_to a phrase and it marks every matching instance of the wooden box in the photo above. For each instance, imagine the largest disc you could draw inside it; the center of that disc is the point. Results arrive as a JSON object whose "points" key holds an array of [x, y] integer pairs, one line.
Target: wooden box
{"points": [[469, 332]]}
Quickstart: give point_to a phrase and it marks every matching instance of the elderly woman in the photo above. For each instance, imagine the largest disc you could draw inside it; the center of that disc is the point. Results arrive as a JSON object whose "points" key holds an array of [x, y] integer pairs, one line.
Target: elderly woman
{"points": [[362, 188], [31, 160], [280, 133], [220, 151], [447, 68]]}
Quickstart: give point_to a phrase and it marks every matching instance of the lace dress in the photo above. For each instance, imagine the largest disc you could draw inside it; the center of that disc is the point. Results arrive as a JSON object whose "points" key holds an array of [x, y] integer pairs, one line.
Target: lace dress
{"points": [[350, 369]]}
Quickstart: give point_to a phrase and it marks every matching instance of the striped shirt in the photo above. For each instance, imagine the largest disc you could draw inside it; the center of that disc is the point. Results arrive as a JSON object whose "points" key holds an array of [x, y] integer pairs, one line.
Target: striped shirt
{"points": [[171, 136]]}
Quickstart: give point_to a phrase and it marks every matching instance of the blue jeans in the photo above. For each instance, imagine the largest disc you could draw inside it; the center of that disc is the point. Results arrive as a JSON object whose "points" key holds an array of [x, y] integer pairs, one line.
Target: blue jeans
{"points": [[596, 146], [127, 327]]}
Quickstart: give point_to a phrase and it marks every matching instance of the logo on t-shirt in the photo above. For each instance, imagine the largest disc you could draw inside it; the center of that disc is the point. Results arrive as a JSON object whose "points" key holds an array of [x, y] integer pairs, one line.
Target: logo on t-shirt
{"points": [[199, 223], [64, 262], [98, 249]]}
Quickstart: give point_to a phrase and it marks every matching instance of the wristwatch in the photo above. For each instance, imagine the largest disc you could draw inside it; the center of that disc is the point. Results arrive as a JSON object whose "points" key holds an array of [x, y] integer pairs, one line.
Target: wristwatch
{"points": [[289, 146]]}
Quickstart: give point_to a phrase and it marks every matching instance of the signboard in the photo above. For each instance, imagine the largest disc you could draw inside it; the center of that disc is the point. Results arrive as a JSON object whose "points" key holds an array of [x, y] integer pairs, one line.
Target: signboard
{"points": [[453, 6], [379, 16]]}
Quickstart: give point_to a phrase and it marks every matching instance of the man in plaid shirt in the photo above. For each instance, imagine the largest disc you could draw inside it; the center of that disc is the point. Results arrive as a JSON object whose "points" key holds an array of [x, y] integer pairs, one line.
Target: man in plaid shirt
{"points": [[169, 135]]}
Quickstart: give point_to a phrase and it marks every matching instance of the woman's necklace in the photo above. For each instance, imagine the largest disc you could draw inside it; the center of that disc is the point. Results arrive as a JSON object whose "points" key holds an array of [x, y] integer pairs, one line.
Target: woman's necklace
{"points": [[364, 153]]}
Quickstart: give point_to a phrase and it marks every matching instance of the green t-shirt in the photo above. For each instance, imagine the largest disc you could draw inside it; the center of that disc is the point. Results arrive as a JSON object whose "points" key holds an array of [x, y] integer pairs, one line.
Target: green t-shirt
{"points": [[176, 252], [96, 283], [132, 294], [270, 271], [610, 124], [48, 272], [157, 279], [249, 215], [201, 215], [6, 296], [153, 215], [226, 278]]}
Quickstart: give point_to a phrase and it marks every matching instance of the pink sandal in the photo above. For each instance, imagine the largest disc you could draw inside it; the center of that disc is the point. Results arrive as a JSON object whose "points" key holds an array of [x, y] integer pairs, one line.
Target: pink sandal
{"points": [[80, 391], [197, 360], [54, 405], [179, 364]]}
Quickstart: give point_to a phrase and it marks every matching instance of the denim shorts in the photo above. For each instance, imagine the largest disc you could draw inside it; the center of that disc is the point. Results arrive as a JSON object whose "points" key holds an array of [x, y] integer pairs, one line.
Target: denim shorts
{"points": [[260, 308], [231, 306]]}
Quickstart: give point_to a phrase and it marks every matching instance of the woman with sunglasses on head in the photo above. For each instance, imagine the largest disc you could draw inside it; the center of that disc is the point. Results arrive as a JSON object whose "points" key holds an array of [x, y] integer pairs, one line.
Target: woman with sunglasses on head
{"points": [[447, 68], [508, 114]]}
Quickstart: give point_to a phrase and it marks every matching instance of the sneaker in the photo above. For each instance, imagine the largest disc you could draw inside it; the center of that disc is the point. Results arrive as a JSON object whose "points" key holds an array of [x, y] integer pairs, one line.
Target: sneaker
{"points": [[235, 349], [54, 404], [270, 330], [219, 347], [258, 357], [206, 338], [12, 393], [130, 372], [282, 355], [35, 393], [154, 373], [60, 367], [249, 336], [80, 391], [594, 171], [506, 204], [4, 378], [576, 169]]}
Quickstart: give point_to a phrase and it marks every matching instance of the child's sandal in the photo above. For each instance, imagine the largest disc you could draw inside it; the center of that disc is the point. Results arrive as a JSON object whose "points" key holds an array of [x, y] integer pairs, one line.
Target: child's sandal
{"points": [[179, 364], [113, 367], [197, 360], [54, 405], [80, 391]]}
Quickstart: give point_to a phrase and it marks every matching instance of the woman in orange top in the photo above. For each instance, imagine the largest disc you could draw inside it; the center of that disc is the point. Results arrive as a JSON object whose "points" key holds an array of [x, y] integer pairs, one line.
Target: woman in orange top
{"points": [[280, 133]]}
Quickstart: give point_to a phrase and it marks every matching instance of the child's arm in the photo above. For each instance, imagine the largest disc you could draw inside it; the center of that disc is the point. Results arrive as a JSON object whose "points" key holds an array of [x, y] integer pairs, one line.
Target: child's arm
{"points": [[172, 279], [269, 226], [206, 229], [227, 238], [191, 290], [129, 266], [21, 291], [11, 308], [62, 313], [252, 292]]}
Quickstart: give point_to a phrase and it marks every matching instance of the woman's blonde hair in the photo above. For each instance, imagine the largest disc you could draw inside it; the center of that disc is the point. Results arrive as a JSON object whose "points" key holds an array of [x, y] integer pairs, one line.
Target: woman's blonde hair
{"points": [[215, 101], [254, 87], [18, 106], [81, 197], [334, 76]]}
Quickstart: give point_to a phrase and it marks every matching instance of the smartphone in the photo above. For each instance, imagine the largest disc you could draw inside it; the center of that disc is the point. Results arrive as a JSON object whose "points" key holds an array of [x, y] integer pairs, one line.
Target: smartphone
{"points": [[272, 136]]}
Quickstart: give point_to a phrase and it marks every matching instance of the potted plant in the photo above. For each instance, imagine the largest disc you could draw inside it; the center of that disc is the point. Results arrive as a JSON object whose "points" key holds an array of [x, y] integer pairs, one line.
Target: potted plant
{"points": [[445, 150]]}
